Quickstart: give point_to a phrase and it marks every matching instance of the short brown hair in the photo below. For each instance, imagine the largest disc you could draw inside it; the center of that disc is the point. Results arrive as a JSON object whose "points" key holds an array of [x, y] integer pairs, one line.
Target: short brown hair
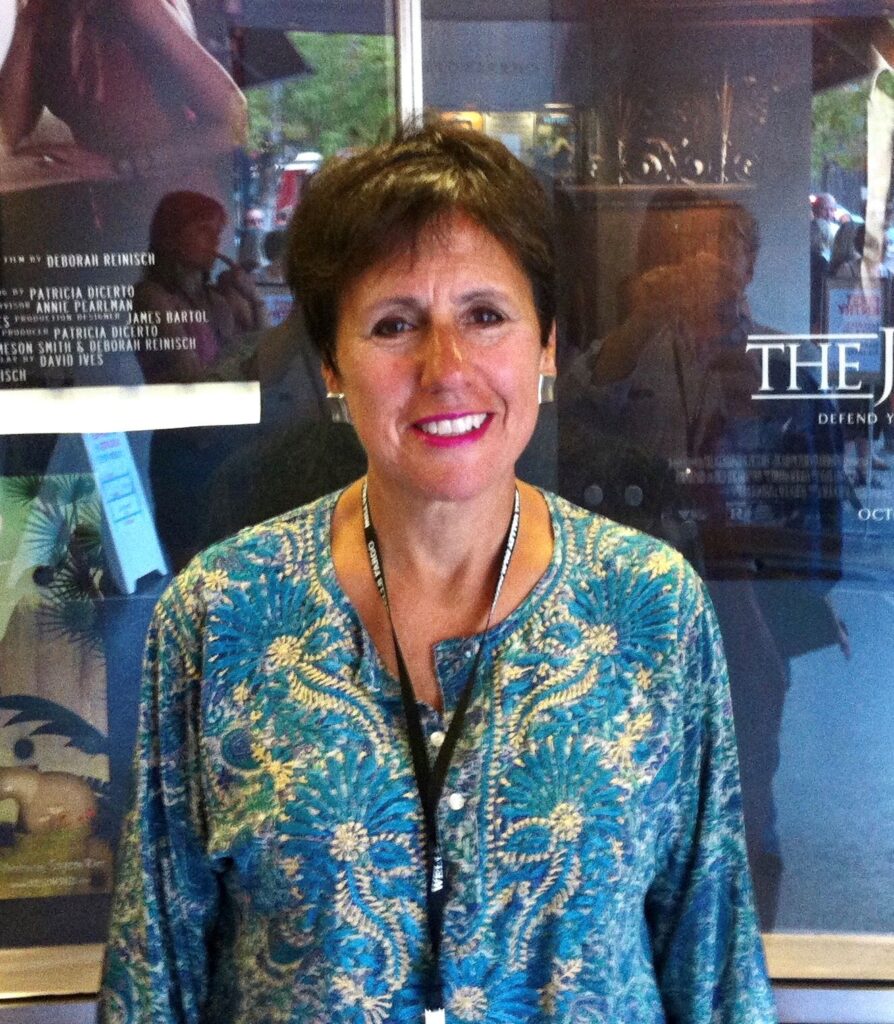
{"points": [[174, 211], [359, 211]]}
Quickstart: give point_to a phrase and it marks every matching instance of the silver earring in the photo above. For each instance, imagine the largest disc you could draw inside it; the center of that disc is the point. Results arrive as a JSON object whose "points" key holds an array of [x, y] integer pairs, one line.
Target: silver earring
{"points": [[546, 388], [338, 407]]}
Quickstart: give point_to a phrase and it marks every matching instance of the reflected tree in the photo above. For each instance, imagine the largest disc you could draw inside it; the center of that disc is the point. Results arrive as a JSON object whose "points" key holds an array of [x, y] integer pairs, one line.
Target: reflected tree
{"points": [[347, 101]]}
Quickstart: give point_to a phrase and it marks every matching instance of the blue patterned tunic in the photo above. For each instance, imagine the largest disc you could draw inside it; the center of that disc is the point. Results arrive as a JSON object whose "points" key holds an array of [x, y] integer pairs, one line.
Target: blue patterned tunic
{"points": [[272, 866]]}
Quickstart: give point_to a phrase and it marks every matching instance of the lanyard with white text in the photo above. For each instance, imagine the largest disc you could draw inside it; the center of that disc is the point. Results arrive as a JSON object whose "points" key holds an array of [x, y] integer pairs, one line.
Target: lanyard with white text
{"points": [[430, 780]]}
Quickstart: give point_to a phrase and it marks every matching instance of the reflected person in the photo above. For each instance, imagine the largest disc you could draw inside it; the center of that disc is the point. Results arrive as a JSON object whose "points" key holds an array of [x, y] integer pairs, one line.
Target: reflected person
{"points": [[200, 320], [669, 391]]}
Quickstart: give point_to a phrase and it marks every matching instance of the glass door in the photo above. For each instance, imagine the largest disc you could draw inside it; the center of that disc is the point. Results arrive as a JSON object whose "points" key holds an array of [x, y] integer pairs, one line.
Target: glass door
{"points": [[156, 392], [721, 175]]}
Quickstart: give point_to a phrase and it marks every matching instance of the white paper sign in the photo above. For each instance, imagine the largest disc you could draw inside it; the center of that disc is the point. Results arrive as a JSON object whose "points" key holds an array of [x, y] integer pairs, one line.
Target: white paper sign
{"points": [[133, 548]]}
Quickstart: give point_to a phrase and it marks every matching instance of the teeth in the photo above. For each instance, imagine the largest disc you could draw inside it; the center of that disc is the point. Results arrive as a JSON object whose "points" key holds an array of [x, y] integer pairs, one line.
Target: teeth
{"points": [[454, 427]]}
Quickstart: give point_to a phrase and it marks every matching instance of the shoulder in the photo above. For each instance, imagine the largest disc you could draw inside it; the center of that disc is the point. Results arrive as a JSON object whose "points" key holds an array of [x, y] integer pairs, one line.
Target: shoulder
{"points": [[640, 583], [601, 548], [279, 544], [251, 567]]}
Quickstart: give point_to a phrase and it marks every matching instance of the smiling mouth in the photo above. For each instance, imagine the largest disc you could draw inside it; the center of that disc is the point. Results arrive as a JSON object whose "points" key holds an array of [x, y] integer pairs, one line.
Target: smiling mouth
{"points": [[453, 426]]}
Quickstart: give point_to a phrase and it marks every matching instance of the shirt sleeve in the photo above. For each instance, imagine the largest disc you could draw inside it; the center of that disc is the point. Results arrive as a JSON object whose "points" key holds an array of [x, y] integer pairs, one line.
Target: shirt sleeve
{"points": [[166, 894], [707, 952]]}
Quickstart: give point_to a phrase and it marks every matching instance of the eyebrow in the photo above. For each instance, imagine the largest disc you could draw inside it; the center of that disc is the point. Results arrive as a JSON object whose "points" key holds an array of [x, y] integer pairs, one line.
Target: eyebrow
{"points": [[485, 293], [411, 302]]}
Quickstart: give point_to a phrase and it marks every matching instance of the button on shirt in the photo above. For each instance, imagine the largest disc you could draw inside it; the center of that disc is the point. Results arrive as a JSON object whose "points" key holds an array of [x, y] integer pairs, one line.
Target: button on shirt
{"points": [[273, 865]]}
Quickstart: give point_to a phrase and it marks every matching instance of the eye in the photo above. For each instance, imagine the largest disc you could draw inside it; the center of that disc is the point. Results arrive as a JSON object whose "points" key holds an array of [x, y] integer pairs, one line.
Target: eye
{"points": [[485, 316], [391, 327]]}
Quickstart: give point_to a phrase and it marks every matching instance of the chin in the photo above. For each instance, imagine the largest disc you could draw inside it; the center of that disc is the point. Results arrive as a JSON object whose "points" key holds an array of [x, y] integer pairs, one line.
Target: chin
{"points": [[459, 486], [457, 475]]}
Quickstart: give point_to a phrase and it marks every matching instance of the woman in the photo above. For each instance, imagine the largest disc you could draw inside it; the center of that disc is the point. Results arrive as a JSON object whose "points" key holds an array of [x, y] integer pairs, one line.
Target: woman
{"points": [[202, 327], [847, 251], [293, 853], [202, 320]]}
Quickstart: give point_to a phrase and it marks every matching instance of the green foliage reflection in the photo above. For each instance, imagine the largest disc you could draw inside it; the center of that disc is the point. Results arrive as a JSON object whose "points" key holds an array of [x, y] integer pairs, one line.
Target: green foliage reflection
{"points": [[347, 101]]}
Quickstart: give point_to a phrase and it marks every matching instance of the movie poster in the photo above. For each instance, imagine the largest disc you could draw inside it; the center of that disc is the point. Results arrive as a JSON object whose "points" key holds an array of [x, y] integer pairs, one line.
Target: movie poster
{"points": [[119, 224], [56, 832], [157, 391], [725, 385]]}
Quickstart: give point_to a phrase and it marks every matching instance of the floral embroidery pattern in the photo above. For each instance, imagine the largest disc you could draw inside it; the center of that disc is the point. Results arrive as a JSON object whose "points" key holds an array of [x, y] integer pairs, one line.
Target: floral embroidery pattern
{"points": [[272, 869]]}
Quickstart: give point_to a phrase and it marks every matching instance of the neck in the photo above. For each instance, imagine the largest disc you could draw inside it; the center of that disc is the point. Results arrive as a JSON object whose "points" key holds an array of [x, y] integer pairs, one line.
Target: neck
{"points": [[440, 541]]}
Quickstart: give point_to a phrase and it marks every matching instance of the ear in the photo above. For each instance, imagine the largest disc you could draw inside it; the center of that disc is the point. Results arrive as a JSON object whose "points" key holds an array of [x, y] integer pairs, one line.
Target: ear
{"points": [[548, 354], [331, 379]]}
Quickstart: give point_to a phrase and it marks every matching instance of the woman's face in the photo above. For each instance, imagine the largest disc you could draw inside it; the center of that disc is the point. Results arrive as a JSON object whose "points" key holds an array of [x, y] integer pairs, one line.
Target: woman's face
{"points": [[198, 242], [439, 355]]}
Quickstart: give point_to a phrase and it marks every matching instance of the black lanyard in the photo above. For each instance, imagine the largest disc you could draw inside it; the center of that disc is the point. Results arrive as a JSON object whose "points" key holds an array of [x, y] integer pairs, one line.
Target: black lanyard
{"points": [[430, 779]]}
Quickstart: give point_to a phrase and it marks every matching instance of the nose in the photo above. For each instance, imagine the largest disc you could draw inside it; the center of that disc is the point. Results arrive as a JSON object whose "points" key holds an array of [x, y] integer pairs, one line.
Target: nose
{"points": [[441, 356]]}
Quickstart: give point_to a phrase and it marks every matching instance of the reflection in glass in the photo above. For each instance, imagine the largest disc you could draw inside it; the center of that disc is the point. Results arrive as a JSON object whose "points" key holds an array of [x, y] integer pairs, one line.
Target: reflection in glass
{"points": [[153, 254], [717, 152]]}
